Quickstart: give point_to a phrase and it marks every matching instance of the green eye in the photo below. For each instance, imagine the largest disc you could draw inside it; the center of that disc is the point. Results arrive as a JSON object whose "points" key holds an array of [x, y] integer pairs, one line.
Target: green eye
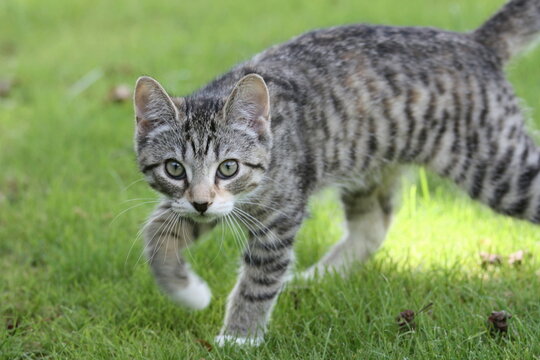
{"points": [[175, 170], [227, 169]]}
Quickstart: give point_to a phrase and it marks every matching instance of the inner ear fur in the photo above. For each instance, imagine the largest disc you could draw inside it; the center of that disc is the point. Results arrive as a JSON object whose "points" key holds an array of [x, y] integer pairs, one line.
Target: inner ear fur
{"points": [[152, 104]]}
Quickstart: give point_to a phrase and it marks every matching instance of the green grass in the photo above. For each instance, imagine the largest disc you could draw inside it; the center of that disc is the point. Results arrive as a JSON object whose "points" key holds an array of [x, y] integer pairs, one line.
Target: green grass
{"points": [[70, 275]]}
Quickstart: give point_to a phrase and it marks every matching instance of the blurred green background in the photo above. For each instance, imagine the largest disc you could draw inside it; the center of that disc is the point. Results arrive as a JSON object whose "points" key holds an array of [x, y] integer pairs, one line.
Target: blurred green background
{"points": [[72, 283]]}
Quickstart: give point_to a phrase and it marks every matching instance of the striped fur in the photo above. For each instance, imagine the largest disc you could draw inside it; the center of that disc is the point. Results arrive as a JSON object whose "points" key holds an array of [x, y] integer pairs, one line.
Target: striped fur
{"points": [[347, 106]]}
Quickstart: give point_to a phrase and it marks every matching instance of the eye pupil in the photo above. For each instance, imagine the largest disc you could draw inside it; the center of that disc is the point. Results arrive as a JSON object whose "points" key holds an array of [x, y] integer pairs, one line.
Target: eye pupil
{"points": [[175, 170], [227, 169]]}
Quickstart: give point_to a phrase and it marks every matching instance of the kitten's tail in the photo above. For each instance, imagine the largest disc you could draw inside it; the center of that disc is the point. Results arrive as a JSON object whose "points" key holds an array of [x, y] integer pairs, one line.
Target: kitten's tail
{"points": [[512, 28]]}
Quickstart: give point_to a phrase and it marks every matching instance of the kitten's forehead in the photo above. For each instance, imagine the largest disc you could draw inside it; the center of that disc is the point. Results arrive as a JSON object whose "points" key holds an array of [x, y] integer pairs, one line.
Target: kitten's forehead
{"points": [[200, 119], [202, 113], [205, 131], [205, 135], [200, 127]]}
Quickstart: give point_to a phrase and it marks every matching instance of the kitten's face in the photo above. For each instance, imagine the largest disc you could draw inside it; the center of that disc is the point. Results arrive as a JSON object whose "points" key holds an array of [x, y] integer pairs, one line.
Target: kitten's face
{"points": [[202, 155]]}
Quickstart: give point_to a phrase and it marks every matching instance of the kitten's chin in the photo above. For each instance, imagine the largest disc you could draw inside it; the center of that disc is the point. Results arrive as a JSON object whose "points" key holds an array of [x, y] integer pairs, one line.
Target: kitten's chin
{"points": [[205, 219]]}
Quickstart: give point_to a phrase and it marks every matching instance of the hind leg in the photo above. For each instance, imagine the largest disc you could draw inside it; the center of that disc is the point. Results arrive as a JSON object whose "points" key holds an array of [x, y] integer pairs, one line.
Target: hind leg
{"points": [[497, 163], [368, 217]]}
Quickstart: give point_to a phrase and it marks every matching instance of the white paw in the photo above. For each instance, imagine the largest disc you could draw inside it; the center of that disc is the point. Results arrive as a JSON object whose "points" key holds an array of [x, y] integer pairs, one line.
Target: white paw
{"points": [[317, 272], [196, 295], [222, 340]]}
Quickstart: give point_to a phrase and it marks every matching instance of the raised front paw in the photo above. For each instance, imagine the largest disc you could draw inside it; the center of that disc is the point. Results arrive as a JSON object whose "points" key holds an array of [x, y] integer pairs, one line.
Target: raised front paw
{"points": [[196, 295], [223, 340]]}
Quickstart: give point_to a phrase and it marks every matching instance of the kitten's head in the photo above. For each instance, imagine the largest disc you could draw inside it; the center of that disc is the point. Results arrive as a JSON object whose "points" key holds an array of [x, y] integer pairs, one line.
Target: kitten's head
{"points": [[204, 154]]}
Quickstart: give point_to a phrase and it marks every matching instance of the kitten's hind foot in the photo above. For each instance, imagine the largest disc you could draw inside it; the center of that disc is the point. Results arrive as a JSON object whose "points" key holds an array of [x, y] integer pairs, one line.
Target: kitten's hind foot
{"points": [[308, 274], [317, 272], [224, 340]]}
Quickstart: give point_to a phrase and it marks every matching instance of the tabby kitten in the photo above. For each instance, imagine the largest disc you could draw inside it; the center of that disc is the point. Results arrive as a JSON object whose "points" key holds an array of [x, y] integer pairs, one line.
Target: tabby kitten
{"points": [[346, 106]]}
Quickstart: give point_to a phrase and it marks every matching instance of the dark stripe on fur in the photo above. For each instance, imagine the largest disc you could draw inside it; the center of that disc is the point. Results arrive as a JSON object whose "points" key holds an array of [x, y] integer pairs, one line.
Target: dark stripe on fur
{"points": [[275, 245], [264, 280], [259, 297], [257, 261], [255, 166], [150, 167]]}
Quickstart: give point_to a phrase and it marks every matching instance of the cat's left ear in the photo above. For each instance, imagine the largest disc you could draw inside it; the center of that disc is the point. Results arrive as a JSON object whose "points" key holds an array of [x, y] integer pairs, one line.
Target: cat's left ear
{"points": [[152, 105], [248, 106]]}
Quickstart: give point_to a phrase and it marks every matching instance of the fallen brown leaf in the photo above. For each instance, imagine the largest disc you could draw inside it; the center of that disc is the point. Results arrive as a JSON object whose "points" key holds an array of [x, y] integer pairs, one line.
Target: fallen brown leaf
{"points": [[498, 321], [120, 93], [6, 85], [205, 344], [405, 320], [517, 258], [490, 259], [12, 325]]}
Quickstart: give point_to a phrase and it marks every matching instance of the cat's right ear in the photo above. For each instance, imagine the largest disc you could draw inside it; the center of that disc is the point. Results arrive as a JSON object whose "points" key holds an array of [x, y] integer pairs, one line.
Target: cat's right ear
{"points": [[152, 105]]}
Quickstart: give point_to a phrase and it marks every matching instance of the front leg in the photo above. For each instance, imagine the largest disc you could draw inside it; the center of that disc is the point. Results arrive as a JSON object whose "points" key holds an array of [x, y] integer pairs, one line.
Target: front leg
{"points": [[263, 273], [165, 235]]}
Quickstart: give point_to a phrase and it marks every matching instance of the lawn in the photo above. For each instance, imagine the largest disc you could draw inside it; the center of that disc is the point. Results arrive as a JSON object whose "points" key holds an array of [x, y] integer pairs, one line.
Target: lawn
{"points": [[72, 282]]}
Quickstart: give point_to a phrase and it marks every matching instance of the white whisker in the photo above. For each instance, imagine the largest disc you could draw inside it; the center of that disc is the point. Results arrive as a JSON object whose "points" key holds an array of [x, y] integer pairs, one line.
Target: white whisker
{"points": [[187, 239], [168, 233], [261, 206], [131, 184], [149, 242], [259, 224], [130, 208]]}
